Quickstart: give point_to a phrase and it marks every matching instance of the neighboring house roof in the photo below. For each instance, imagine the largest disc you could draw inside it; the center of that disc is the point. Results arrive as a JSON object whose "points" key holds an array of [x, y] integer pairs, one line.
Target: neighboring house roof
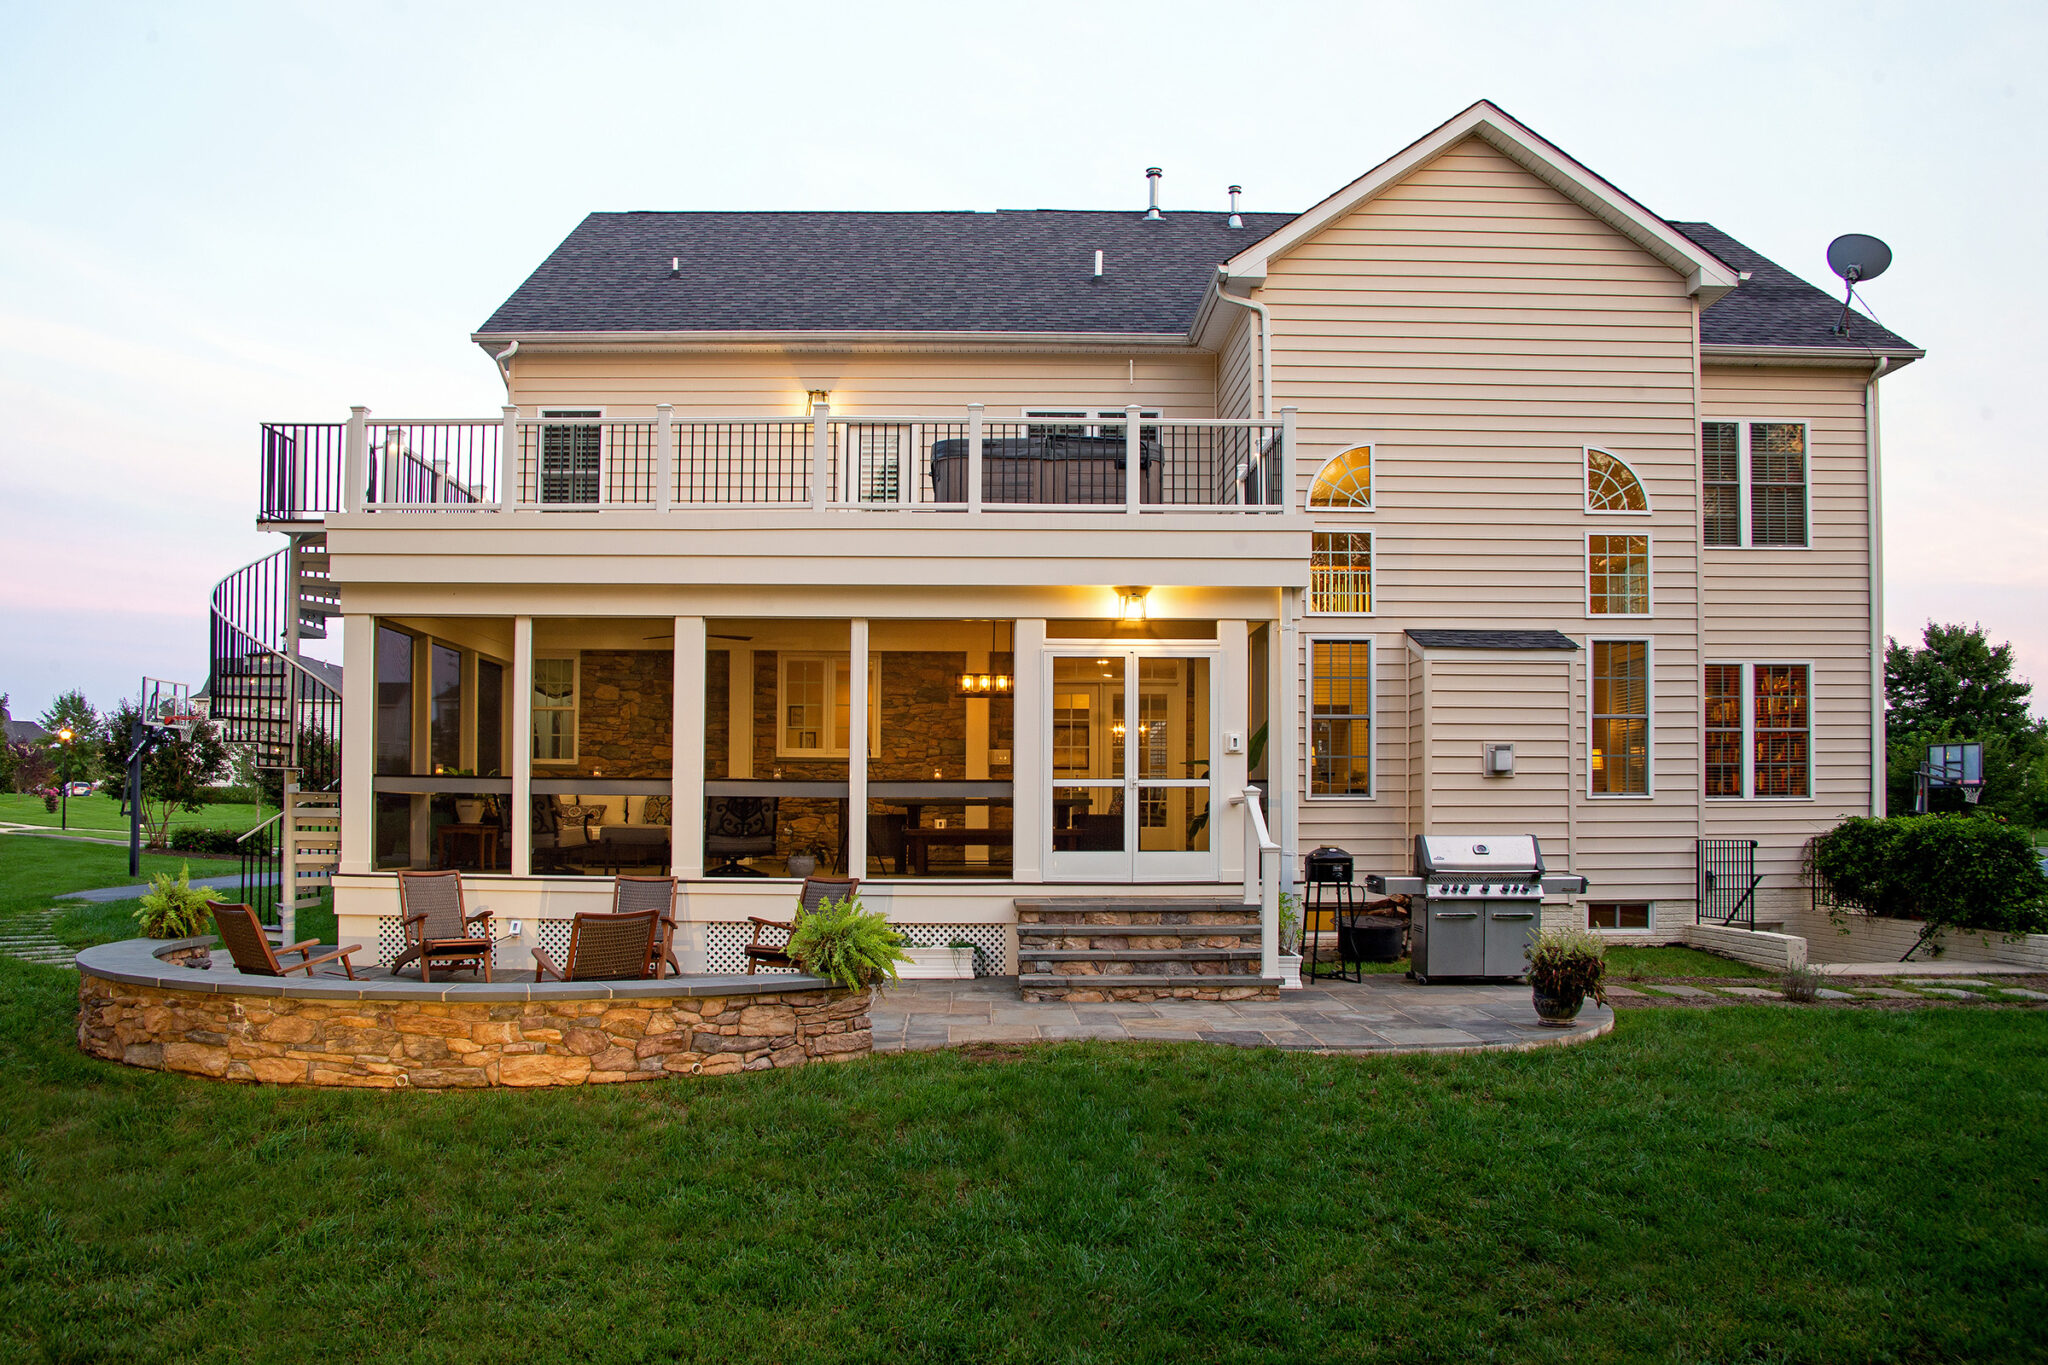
{"points": [[25, 732], [1775, 308], [1492, 639], [1013, 271]]}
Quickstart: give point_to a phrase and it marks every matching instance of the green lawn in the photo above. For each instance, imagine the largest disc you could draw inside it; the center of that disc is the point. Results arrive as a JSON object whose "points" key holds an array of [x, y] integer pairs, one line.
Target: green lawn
{"points": [[1730, 1184], [33, 871], [101, 814], [1636, 964]]}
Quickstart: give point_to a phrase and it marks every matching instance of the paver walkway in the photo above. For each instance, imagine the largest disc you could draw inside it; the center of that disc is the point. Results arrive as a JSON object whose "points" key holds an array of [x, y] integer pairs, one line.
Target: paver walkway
{"points": [[28, 937], [1385, 1014], [102, 894]]}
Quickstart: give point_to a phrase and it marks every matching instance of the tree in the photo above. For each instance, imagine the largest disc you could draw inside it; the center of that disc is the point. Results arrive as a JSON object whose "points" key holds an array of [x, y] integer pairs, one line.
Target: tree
{"points": [[78, 758], [1958, 688], [30, 767], [175, 775]]}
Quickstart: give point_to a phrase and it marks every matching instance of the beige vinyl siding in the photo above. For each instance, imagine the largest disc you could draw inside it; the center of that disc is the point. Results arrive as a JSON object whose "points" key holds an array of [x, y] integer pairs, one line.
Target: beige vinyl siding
{"points": [[1812, 606], [1374, 829], [774, 384], [1480, 330], [1237, 368]]}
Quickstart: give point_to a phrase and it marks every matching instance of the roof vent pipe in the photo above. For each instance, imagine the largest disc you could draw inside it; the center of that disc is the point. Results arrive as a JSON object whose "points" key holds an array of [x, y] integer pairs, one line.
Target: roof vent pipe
{"points": [[675, 267], [1098, 263], [1152, 174], [1236, 220]]}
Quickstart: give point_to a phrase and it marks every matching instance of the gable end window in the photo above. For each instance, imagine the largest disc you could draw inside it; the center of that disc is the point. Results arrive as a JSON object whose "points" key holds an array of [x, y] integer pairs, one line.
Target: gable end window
{"points": [[1620, 731], [1340, 718], [1755, 476], [1344, 483], [1617, 575], [1612, 486], [1340, 572], [1759, 730]]}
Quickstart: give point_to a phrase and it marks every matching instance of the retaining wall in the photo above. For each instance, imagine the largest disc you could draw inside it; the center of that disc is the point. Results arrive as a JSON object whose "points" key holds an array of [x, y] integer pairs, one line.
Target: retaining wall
{"points": [[1778, 952]]}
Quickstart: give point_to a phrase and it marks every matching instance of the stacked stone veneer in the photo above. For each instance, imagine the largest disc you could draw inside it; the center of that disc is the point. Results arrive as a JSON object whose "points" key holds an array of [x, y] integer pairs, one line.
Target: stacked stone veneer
{"points": [[1085, 951], [452, 1044], [625, 713]]}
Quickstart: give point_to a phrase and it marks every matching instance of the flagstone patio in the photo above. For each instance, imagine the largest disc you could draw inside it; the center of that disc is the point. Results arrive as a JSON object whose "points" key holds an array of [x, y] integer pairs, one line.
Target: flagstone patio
{"points": [[1384, 1014]]}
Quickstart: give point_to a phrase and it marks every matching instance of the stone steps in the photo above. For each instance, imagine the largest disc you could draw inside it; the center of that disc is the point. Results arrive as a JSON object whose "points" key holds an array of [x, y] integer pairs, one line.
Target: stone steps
{"points": [[1094, 948]]}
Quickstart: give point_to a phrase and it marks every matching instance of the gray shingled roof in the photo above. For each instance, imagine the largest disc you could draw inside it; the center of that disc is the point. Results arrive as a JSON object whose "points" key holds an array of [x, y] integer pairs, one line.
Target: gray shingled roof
{"points": [[1492, 639], [1014, 271], [1774, 307], [1023, 271]]}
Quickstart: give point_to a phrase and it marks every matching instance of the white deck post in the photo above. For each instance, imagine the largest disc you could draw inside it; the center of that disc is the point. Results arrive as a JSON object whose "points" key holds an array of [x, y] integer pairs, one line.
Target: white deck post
{"points": [[522, 746], [355, 461], [857, 750], [508, 458], [665, 458], [1281, 489], [821, 455], [1133, 480], [976, 412], [358, 745], [686, 757]]}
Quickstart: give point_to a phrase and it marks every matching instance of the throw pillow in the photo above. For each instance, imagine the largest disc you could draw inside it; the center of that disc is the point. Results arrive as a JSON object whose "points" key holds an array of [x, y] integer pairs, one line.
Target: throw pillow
{"points": [[655, 812]]}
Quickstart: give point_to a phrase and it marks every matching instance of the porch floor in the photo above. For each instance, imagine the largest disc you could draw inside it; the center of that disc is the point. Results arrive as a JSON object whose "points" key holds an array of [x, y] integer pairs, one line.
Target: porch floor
{"points": [[1384, 1014]]}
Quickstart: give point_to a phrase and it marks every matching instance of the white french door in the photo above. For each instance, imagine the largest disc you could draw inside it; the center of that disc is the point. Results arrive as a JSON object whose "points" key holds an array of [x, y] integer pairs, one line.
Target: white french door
{"points": [[1129, 746]]}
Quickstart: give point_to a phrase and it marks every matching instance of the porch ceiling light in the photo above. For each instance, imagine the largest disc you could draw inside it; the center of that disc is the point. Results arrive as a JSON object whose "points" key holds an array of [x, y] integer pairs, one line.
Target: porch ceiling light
{"points": [[983, 685], [1133, 600]]}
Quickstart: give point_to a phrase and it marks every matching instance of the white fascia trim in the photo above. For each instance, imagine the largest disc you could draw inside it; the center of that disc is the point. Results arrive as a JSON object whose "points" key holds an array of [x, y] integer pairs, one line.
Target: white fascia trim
{"points": [[1832, 357], [1706, 275], [836, 341]]}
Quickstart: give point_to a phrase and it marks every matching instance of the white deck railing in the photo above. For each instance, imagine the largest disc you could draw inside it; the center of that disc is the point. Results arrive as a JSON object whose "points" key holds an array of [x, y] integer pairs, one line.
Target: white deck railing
{"points": [[1262, 879]]}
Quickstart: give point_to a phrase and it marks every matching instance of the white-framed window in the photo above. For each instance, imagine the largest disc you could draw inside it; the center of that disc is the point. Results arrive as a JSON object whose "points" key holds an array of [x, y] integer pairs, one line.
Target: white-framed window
{"points": [[1620, 915], [1344, 483], [1759, 731], [1340, 573], [1756, 476], [1612, 488], [814, 705], [1617, 575], [1340, 717], [1618, 683], [554, 708], [570, 465]]}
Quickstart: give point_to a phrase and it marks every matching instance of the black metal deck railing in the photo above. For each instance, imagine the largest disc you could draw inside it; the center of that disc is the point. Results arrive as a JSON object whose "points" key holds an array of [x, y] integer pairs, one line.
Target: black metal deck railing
{"points": [[1727, 883]]}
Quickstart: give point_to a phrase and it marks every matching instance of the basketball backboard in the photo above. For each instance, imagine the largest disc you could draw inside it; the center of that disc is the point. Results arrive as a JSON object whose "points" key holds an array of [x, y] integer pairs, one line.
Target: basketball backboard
{"points": [[168, 704]]}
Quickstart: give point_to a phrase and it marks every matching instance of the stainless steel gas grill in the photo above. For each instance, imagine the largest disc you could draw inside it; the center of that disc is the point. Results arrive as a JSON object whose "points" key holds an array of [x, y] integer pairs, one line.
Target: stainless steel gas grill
{"points": [[1473, 903]]}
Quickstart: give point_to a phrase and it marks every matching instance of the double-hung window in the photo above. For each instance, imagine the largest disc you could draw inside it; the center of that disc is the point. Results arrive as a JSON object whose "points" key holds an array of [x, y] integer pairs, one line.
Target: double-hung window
{"points": [[1340, 718], [1759, 730], [1620, 758], [571, 455], [554, 710], [1755, 476]]}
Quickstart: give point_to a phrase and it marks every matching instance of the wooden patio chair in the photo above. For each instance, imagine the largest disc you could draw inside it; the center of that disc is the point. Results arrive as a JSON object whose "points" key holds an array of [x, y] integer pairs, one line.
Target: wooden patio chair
{"points": [[437, 930], [605, 948], [630, 895], [816, 891], [246, 942]]}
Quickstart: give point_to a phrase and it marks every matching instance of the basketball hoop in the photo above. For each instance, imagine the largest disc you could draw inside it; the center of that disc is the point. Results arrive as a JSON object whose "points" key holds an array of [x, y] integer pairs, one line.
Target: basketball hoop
{"points": [[169, 706], [1960, 766]]}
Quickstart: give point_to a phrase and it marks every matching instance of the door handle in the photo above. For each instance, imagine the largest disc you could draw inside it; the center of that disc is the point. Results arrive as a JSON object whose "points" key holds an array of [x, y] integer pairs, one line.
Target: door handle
{"points": [[1457, 914], [1514, 914]]}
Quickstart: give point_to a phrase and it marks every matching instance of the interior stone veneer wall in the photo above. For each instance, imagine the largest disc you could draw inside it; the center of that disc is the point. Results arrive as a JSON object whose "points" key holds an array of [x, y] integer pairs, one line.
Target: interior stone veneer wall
{"points": [[625, 712], [439, 1045]]}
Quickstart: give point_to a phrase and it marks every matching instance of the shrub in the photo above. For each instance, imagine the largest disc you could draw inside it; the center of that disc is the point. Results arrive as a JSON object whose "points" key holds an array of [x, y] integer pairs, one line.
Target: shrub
{"points": [[1949, 871], [847, 944], [204, 839], [173, 909], [1568, 964], [50, 800], [1800, 983]]}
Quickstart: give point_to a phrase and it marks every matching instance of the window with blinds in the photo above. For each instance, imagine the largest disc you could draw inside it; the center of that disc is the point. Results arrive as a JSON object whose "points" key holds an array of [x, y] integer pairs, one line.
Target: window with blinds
{"points": [[1724, 729], [1620, 763], [1618, 575], [1759, 730], [1340, 572], [1754, 477], [1340, 718]]}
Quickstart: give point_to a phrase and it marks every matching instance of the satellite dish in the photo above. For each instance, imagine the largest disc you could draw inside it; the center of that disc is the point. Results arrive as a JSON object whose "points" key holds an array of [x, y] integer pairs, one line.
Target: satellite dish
{"points": [[1857, 256]]}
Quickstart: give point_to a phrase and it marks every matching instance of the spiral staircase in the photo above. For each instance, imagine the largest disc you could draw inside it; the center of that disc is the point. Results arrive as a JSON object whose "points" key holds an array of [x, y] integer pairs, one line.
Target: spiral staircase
{"points": [[286, 709]]}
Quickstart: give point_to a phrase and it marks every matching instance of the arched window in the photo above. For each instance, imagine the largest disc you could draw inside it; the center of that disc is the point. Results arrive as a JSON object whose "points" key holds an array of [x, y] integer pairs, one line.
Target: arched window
{"points": [[1612, 486], [1346, 481]]}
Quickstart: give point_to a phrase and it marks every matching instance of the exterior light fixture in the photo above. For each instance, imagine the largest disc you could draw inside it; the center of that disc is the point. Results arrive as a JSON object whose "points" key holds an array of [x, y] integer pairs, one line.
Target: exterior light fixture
{"points": [[983, 685], [817, 398], [1133, 600]]}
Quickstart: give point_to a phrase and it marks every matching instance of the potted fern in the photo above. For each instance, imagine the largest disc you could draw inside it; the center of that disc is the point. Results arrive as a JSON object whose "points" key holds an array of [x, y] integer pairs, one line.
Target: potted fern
{"points": [[176, 909], [1565, 966], [847, 944]]}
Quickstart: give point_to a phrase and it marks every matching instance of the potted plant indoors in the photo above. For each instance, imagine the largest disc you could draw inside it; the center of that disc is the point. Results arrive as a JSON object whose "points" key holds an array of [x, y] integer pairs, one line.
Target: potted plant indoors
{"points": [[804, 861], [1565, 966], [1290, 941]]}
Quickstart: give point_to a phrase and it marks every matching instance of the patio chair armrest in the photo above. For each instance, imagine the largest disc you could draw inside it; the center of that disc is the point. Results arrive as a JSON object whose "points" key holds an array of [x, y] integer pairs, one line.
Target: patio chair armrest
{"points": [[484, 915], [414, 919], [340, 955], [768, 923], [303, 948], [543, 965]]}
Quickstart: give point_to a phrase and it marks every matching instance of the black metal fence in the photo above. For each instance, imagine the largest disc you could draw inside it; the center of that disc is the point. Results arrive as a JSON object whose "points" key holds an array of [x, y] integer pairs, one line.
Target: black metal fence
{"points": [[1727, 883], [302, 464]]}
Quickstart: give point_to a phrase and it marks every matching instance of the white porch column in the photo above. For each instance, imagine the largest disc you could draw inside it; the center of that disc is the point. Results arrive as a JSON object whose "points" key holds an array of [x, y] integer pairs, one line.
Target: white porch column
{"points": [[508, 458], [1232, 700], [1032, 802], [1283, 743], [358, 744], [857, 751], [686, 758], [522, 746]]}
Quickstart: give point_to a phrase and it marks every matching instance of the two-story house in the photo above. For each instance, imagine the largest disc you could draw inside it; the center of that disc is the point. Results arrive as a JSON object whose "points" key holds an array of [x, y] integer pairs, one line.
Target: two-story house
{"points": [[1000, 557]]}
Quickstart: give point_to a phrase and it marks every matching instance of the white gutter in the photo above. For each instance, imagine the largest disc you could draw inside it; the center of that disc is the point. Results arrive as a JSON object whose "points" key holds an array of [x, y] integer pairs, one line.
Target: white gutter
{"points": [[503, 360], [1265, 341], [1873, 490]]}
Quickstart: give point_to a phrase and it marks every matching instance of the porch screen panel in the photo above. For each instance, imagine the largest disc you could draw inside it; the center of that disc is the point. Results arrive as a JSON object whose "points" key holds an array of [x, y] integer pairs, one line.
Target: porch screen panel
{"points": [[1621, 718], [490, 718], [445, 713], [1724, 729], [940, 791], [1783, 726], [1088, 754], [1340, 718], [1721, 473], [1173, 755]]}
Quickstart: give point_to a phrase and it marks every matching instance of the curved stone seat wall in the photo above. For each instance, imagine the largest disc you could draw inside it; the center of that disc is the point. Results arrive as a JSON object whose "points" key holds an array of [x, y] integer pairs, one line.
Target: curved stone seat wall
{"points": [[137, 1009]]}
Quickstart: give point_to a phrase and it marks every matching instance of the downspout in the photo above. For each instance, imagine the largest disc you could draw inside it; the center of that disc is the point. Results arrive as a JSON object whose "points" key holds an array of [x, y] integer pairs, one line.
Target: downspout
{"points": [[1878, 765], [1265, 342], [504, 363]]}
